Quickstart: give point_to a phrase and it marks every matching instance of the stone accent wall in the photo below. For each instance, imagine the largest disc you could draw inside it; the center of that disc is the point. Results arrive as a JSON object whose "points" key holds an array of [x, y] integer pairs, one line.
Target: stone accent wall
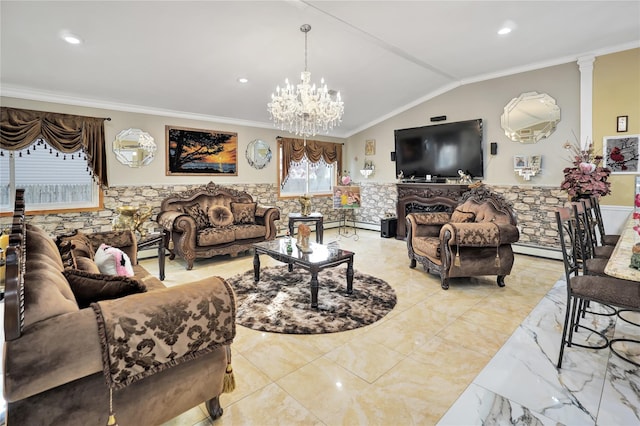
{"points": [[534, 207], [264, 194], [377, 200]]}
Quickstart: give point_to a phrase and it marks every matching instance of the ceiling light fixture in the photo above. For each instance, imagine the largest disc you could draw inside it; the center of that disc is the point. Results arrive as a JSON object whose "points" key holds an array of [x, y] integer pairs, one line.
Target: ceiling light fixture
{"points": [[304, 109], [71, 39], [243, 80], [507, 27]]}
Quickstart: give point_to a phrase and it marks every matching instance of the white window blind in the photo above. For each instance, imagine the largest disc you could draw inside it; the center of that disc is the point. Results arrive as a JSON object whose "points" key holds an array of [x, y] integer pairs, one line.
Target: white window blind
{"points": [[51, 179]]}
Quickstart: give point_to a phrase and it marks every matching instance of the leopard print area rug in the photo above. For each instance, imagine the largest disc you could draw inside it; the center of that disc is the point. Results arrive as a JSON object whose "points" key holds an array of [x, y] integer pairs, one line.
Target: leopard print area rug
{"points": [[281, 301]]}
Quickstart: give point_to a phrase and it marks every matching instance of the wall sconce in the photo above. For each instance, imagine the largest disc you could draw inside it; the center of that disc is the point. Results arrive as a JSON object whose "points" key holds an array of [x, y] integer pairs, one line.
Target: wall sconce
{"points": [[527, 165], [368, 170]]}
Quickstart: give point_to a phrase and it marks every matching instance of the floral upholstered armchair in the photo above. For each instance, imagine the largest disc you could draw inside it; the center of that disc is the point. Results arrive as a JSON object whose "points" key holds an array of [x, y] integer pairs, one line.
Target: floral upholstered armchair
{"points": [[474, 240]]}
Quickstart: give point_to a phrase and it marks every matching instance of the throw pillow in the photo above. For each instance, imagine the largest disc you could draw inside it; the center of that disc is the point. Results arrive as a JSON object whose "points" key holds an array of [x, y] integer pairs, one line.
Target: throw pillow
{"points": [[82, 244], [66, 254], [244, 213], [199, 215], [85, 264], [220, 216], [113, 261], [89, 288], [461, 217]]}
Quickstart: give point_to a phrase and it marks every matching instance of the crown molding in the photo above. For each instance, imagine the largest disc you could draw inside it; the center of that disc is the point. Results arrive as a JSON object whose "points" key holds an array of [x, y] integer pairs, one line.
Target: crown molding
{"points": [[54, 97]]}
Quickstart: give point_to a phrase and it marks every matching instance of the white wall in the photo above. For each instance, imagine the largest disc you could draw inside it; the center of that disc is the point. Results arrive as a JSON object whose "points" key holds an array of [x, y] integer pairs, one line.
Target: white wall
{"points": [[154, 173], [486, 100]]}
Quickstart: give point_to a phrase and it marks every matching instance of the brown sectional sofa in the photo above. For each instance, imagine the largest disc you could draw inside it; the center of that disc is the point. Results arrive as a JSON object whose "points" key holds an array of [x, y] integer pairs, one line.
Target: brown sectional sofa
{"points": [[213, 220], [53, 351]]}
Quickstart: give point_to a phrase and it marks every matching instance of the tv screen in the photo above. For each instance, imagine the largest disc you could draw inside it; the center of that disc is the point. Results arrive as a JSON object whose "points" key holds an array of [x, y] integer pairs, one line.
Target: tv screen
{"points": [[440, 150]]}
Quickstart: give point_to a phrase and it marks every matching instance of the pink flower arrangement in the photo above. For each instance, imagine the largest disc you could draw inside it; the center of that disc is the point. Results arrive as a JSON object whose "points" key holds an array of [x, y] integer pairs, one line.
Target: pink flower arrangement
{"points": [[586, 177], [345, 179]]}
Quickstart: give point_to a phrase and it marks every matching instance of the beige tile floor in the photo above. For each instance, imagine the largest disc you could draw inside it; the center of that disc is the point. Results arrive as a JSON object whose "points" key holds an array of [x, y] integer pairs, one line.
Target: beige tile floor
{"points": [[407, 368]]}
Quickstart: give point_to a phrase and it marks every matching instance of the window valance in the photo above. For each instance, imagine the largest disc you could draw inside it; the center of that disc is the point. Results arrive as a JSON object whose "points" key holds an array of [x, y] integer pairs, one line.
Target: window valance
{"points": [[293, 150], [19, 128]]}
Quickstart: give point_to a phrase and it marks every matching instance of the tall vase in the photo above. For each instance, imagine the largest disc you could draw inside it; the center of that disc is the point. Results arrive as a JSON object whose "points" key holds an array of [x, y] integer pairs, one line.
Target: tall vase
{"points": [[305, 205]]}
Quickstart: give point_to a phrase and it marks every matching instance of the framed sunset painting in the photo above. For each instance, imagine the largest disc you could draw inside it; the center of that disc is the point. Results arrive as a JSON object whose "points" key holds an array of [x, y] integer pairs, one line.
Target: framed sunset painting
{"points": [[201, 152]]}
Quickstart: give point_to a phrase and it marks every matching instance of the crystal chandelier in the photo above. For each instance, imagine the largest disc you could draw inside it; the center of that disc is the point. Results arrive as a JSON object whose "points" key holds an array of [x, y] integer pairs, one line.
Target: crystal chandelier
{"points": [[305, 109]]}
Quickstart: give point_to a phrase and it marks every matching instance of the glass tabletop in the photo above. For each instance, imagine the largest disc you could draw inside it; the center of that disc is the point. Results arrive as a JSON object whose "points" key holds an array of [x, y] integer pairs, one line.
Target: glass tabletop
{"points": [[319, 254]]}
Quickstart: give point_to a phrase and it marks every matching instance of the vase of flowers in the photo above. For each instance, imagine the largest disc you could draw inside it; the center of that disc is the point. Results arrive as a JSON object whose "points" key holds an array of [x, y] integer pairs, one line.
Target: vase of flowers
{"points": [[587, 177]]}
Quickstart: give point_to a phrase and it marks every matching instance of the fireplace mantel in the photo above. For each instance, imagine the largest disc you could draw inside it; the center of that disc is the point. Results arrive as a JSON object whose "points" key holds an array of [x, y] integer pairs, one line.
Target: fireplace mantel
{"points": [[414, 197]]}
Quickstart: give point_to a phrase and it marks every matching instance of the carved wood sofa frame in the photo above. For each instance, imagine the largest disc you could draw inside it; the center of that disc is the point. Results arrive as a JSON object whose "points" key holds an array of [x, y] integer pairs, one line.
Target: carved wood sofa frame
{"points": [[180, 238]]}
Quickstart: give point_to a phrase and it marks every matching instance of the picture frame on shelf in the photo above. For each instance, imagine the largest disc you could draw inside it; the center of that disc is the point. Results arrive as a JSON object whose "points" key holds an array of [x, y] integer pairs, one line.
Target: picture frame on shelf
{"points": [[520, 161], [535, 162], [622, 123], [201, 152], [621, 154]]}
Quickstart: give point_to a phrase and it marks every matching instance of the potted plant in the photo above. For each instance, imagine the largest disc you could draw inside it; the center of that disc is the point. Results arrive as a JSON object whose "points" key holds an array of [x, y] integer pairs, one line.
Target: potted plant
{"points": [[587, 177]]}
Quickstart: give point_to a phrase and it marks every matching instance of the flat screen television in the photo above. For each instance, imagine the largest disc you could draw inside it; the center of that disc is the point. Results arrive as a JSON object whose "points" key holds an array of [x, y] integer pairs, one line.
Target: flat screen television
{"points": [[440, 150]]}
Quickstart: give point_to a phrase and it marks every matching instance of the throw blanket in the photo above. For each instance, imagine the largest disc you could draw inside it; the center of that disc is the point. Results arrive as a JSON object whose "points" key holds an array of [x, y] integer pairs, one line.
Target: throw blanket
{"points": [[146, 333]]}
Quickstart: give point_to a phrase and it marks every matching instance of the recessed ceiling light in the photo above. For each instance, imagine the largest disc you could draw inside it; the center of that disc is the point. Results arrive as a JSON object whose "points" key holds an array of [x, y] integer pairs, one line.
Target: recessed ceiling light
{"points": [[243, 80], [71, 39], [507, 27]]}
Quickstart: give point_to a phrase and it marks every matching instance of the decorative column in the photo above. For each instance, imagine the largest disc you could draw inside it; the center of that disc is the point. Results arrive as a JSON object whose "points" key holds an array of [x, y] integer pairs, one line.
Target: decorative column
{"points": [[585, 65]]}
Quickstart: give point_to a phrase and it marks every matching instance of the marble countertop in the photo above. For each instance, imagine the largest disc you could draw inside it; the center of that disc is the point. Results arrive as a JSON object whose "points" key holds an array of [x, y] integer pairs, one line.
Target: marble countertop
{"points": [[618, 265]]}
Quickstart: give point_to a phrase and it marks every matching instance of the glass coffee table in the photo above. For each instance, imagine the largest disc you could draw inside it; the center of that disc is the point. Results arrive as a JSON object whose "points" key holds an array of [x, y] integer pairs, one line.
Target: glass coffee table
{"points": [[320, 258]]}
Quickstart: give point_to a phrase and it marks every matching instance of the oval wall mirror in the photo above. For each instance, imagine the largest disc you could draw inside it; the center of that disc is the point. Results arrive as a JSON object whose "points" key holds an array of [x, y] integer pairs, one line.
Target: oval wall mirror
{"points": [[134, 147], [258, 154], [530, 117]]}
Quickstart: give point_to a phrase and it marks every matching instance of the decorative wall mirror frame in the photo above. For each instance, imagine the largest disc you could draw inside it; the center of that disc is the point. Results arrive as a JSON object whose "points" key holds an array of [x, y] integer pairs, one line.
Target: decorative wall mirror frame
{"points": [[134, 148], [530, 117], [258, 154]]}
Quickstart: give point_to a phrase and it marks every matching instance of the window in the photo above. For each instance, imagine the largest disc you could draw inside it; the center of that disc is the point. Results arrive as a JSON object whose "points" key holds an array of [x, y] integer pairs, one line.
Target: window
{"points": [[52, 180], [312, 167], [308, 178]]}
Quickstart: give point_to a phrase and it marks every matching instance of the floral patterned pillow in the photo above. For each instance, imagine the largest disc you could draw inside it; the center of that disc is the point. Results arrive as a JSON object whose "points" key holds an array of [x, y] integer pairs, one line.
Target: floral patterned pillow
{"points": [[199, 215], [244, 213]]}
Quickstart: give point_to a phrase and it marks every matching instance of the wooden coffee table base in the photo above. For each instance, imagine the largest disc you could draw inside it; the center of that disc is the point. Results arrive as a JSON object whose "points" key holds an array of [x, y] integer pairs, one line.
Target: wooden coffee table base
{"points": [[314, 268]]}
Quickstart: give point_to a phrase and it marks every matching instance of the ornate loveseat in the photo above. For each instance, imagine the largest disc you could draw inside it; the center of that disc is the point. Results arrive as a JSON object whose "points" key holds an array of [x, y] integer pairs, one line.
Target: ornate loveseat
{"points": [[64, 360], [212, 220], [475, 239]]}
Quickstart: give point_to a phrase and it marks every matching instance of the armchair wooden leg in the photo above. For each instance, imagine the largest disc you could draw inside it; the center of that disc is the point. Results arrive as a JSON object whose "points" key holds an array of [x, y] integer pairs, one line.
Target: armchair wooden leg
{"points": [[213, 408], [501, 280], [444, 282], [413, 263]]}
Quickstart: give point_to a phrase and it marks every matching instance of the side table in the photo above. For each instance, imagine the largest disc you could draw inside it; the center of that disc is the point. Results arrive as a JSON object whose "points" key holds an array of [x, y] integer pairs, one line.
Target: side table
{"points": [[154, 240], [315, 217]]}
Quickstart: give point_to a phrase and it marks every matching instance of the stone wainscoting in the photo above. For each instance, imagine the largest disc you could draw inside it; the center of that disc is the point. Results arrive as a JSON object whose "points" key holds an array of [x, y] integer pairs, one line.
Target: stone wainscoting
{"points": [[534, 207]]}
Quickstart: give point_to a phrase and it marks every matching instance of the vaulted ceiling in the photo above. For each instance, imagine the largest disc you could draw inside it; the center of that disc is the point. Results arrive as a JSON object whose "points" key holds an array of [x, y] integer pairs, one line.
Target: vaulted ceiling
{"points": [[184, 58]]}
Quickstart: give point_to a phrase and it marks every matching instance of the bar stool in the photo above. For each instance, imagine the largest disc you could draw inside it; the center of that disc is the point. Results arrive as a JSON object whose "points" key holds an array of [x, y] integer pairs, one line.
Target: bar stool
{"points": [[605, 239], [587, 288]]}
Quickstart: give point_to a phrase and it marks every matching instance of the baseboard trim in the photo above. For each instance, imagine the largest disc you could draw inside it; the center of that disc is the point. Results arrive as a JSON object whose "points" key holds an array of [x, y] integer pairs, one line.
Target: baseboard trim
{"points": [[546, 252]]}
